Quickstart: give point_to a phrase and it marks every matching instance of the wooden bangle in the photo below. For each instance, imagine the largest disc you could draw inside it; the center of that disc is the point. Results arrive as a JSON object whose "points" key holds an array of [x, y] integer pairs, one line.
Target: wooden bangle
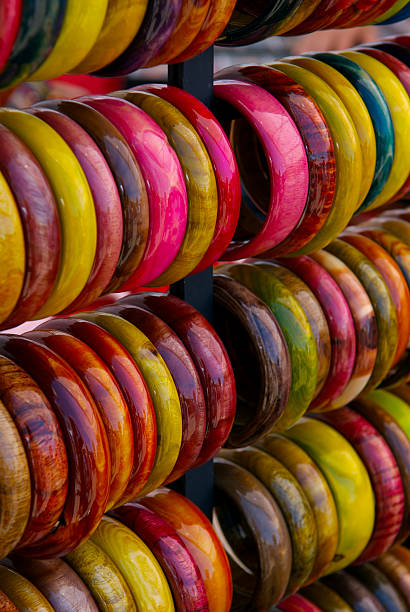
{"points": [[297, 603], [293, 504], [326, 13], [349, 483], [6, 604], [133, 387], [199, 178], [394, 246], [397, 407], [179, 566], [136, 563], [380, 586], [372, 281], [397, 572], [326, 598], [354, 592], [20, 590], [362, 13], [397, 6], [317, 492], [15, 492], [44, 446], [10, 19], [102, 577], [161, 388], [84, 437], [259, 357], [211, 361], [384, 474]]}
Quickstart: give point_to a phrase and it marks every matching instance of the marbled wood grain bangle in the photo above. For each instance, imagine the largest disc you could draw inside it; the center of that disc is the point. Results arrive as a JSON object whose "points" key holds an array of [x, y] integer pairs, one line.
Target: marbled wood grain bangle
{"points": [[259, 357], [397, 572], [316, 137], [179, 567], [159, 21], [35, 201], [398, 226], [384, 474], [137, 564], [284, 149], [84, 437], [106, 202], [347, 151], [10, 18], [211, 361], [44, 446], [364, 320], [402, 553], [185, 377], [200, 539], [15, 491], [326, 598], [6, 604], [353, 592], [325, 13], [399, 444], [293, 504], [102, 577], [266, 527], [128, 178], [381, 587], [397, 407], [108, 399], [74, 200], [20, 590], [223, 162], [341, 326], [314, 313], [39, 27], [362, 13], [317, 492], [297, 603], [164, 181], [397, 6], [306, 9], [161, 388], [122, 21], [372, 281], [395, 282], [349, 483], [394, 246], [296, 330], [63, 588], [199, 179]]}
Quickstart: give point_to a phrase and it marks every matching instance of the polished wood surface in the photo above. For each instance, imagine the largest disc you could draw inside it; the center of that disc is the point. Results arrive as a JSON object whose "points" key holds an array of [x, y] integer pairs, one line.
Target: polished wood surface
{"points": [[353, 592], [22, 592], [326, 598], [397, 572], [380, 586]]}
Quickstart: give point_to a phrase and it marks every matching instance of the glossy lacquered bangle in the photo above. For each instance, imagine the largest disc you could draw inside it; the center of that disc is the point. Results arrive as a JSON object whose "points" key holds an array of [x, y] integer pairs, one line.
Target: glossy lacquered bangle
{"points": [[134, 389], [297, 603], [354, 501], [44, 446], [395, 283], [372, 281], [128, 178], [394, 48], [38, 212], [402, 14], [365, 324], [200, 539], [341, 326], [10, 18], [40, 25], [399, 444], [353, 592], [164, 182], [185, 377], [293, 504], [397, 572], [211, 361], [15, 484], [58, 583], [296, 330], [102, 577], [397, 6], [398, 67], [136, 563], [384, 474], [259, 357], [316, 137], [270, 554], [75, 205], [122, 21], [157, 26], [84, 437], [398, 226], [179, 566], [397, 407], [80, 23], [399, 105], [316, 491], [223, 162], [380, 586], [347, 151], [362, 13], [325, 13], [326, 598], [106, 202], [199, 179], [20, 590], [286, 155]]}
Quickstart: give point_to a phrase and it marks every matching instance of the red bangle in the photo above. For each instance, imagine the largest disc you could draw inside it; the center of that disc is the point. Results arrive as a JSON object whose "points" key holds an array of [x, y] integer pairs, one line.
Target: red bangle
{"points": [[10, 15]]}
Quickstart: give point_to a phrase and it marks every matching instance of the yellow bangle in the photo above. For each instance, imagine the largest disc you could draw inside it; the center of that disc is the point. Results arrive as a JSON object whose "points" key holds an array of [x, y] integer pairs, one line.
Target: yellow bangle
{"points": [[21, 592]]}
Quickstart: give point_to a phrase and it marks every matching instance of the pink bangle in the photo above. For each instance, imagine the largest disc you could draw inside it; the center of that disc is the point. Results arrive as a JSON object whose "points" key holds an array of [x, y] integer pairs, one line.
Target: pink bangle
{"points": [[164, 181], [287, 161], [223, 162]]}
